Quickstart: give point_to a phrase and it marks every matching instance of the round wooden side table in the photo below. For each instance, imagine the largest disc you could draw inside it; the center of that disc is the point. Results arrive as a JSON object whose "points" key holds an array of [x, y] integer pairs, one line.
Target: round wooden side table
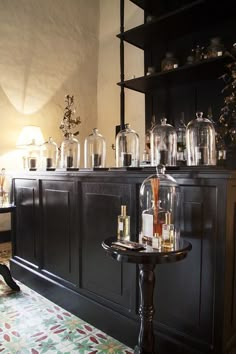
{"points": [[4, 270], [147, 260]]}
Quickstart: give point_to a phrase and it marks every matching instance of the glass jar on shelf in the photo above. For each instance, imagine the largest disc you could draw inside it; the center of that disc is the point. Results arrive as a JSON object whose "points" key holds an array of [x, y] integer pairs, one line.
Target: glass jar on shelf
{"points": [[70, 152], [163, 144], [169, 62], [127, 148], [200, 142], [49, 155], [33, 158], [160, 206], [94, 150], [216, 48]]}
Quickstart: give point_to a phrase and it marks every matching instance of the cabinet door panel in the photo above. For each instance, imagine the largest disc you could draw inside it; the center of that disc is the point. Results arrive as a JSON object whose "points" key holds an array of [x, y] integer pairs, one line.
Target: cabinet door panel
{"points": [[27, 221], [60, 232], [102, 275], [186, 293]]}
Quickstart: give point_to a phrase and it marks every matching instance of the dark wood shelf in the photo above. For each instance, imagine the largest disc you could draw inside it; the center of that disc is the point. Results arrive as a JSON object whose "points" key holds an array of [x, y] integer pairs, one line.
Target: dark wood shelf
{"points": [[153, 6], [189, 18], [205, 70]]}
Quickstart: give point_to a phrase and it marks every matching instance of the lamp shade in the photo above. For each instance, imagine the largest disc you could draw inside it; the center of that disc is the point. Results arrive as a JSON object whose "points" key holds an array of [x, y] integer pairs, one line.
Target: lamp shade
{"points": [[30, 134]]}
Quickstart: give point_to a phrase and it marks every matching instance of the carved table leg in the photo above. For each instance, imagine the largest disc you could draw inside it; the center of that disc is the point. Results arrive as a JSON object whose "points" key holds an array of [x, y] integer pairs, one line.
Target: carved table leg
{"points": [[5, 272], [146, 309]]}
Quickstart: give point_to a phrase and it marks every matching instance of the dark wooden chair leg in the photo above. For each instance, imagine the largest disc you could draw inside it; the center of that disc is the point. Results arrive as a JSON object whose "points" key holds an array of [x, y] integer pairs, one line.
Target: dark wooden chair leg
{"points": [[5, 272]]}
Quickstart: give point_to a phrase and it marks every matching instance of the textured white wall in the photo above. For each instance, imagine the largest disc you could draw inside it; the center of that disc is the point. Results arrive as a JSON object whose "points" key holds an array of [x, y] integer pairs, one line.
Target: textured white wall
{"points": [[49, 48], [109, 74]]}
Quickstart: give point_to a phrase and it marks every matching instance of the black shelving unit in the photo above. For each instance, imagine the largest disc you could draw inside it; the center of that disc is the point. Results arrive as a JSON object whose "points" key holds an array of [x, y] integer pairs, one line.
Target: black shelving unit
{"points": [[178, 26]]}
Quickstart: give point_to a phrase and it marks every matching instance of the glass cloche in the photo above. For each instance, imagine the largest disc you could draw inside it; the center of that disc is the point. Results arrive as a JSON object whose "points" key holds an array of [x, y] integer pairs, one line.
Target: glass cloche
{"points": [[94, 150], [163, 144], [33, 159], [127, 148], [200, 142], [160, 206], [70, 152], [49, 155]]}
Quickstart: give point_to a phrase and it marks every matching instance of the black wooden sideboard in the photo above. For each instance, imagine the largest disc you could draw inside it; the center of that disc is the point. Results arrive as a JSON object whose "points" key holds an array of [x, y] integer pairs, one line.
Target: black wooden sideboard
{"points": [[61, 220]]}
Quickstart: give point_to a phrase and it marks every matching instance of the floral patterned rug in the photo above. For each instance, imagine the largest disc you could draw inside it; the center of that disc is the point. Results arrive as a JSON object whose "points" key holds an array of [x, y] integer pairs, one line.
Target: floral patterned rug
{"points": [[31, 324]]}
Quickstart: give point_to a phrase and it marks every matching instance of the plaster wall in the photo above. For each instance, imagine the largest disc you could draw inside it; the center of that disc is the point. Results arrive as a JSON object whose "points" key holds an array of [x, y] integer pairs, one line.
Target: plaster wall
{"points": [[49, 48], [109, 74]]}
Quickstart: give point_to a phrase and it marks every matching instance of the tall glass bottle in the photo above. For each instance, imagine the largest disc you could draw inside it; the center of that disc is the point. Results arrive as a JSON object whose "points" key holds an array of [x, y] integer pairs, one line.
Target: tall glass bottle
{"points": [[94, 150], [70, 152], [163, 144], [200, 142], [127, 148], [49, 155]]}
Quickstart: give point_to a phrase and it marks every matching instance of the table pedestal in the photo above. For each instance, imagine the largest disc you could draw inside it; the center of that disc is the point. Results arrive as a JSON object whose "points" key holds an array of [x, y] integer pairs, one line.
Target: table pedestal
{"points": [[146, 261], [146, 309], [5, 272]]}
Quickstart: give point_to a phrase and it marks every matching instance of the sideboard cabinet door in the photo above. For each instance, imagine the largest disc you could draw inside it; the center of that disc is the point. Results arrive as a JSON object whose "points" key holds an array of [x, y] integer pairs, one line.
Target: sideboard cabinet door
{"points": [[102, 277], [59, 230], [26, 218]]}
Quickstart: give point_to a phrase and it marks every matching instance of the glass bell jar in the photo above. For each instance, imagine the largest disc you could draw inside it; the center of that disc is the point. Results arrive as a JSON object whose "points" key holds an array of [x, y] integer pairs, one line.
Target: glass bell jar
{"points": [[70, 152], [49, 155], [94, 150], [33, 159], [127, 148], [160, 210], [200, 142], [163, 144]]}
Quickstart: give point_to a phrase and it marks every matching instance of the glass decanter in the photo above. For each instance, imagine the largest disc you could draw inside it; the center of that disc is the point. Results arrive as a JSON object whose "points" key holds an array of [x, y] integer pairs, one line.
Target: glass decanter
{"points": [[94, 150], [127, 148], [70, 152], [163, 144], [49, 155], [160, 206], [169, 62], [200, 142]]}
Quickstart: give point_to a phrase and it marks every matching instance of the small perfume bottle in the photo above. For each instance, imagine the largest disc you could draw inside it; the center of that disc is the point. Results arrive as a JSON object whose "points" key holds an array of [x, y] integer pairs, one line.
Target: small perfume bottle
{"points": [[168, 232], [156, 241], [123, 230]]}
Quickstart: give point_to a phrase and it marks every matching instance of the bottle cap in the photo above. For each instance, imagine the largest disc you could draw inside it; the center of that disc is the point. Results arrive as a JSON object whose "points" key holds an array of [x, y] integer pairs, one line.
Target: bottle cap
{"points": [[123, 210], [168, 218]]}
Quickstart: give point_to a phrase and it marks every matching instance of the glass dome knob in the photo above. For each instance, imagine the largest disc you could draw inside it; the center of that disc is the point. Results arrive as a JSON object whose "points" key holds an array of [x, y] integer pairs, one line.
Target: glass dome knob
{"points": [[199, 115]]}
